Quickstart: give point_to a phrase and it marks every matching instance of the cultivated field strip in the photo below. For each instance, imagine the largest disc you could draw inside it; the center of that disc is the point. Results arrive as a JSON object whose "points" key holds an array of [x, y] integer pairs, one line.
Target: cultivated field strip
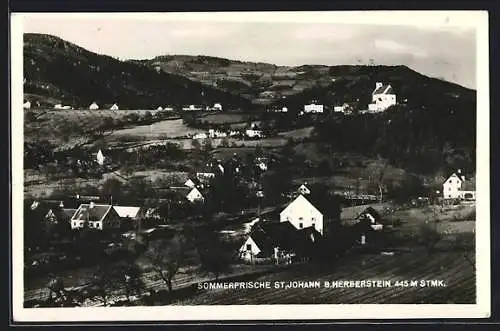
{"points": [[450, 267]]}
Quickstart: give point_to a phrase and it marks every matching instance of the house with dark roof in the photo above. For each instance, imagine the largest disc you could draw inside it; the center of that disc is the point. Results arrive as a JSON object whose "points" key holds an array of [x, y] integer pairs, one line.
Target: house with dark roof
{"points": [[96, 216], [457, 186], [278, 240], [368, 227], [383, 97]]}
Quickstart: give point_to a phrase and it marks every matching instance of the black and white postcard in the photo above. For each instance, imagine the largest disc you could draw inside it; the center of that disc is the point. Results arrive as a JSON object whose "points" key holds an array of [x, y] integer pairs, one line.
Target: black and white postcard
{"points": [[250, 166]]}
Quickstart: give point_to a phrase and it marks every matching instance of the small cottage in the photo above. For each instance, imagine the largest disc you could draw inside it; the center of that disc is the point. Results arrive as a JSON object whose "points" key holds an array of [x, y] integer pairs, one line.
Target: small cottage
{"points": [[94, 106], [303, 190], [27, 105], [96, 216], [100, 158], [457, 187], [114, 107], [382, 98], [195, 195]]}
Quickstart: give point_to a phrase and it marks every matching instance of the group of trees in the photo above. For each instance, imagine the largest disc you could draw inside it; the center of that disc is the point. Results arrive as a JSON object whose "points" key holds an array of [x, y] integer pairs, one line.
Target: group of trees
{"points": [[413, 139]]}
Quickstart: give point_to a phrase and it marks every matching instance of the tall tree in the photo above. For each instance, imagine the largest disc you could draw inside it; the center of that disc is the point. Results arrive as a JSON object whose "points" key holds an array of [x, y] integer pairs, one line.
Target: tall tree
{"points": [[167, 256]]}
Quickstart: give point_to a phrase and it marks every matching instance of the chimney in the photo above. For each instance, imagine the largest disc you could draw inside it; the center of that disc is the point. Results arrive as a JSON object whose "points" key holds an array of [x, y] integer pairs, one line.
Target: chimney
{"points": [[61, 205]]}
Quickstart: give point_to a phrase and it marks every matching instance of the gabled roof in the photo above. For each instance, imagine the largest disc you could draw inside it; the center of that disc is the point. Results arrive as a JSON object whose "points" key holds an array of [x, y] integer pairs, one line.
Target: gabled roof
{"points": [[268, 235], [300, 203], [127, 211], [97, 213], [384, 89], [371, 214]]}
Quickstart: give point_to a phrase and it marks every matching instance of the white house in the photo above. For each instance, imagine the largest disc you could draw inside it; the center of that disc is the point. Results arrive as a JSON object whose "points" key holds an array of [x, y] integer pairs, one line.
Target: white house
{"points": [[93, 106], [217, 106], [159, 108], [170, 108], [114, 107], [249, 249], [313, 108], [201, 135], [61, 107], [189, 183], [195, 195], [456, 187], [216, 133], [96, 216], [192, 108], [382, 98], [27, 105], [100, 157], [303, 189], [127, 211], [252, 133], [302, 214]]}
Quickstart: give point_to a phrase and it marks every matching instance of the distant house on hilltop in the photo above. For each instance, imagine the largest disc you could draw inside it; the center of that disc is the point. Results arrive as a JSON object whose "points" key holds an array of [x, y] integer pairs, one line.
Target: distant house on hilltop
{"points": [[114, 107], [27, 105], [313, 108], [383, 97], [94, 106], [457, 187]]}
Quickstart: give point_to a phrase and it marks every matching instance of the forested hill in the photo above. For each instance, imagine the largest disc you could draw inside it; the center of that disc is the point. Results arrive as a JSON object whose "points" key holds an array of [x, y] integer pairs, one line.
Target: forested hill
{"points": [[57, 71]]}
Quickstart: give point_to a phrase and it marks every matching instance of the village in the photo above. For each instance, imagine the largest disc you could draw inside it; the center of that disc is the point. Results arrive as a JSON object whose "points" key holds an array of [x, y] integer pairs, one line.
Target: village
{"points": [[229, 215]]}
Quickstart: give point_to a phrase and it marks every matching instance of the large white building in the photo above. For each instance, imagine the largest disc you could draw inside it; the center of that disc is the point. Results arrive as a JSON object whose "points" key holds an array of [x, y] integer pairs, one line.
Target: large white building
{"points": [[457, 187], [302, 214], [382, 98], [313, 108]]}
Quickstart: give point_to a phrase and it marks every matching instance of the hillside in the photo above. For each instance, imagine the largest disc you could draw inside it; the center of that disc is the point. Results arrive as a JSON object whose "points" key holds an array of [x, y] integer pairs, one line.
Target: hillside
{"points": [[267, 83], [57, 71]]}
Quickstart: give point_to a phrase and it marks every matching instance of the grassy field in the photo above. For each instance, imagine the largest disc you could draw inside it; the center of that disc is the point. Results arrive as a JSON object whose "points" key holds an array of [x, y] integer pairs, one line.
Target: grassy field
{"points": [[164, 129], [451, 267], [225, 118]]}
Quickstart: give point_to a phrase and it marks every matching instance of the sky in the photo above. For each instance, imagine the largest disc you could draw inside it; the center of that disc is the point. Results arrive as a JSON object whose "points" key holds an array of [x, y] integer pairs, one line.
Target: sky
{"points": [[435, 49]]}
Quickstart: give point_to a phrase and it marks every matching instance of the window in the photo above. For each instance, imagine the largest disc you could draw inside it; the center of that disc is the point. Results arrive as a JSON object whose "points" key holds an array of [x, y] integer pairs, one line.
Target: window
{"points": [[73, 224], [449, 188], [81, 224], [249, 247], [314, 225], [301, 225], [300, 218], [313, 219]]}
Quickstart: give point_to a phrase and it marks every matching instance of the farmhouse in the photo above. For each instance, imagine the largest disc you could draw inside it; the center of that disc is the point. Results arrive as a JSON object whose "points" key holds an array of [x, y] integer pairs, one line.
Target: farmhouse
{"points": [[61, 107], [93, 106], [131, 212], [192, 108], [27, 105], [201, 135], [303, 190], [302, 214], [279, 241], [217, 106], [313, 108], [95, 216], [195, 195], [114, 107], [457, 187], [190, 183], [100, 158], [216, 134], [373, 218], [382, 98], [368, 227]]}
